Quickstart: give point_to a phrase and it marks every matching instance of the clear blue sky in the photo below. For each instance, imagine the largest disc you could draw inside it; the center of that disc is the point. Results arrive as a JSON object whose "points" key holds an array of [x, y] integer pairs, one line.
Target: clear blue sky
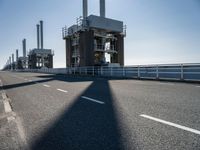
{"points": [[158, 31]]}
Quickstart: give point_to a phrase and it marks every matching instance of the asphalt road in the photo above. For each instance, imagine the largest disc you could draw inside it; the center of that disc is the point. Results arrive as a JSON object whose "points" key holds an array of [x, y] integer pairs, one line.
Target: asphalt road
{"points": [[59, 112]]}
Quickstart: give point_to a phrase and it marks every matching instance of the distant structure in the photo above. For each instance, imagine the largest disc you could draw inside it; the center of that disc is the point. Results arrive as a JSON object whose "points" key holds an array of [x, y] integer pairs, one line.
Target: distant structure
{"points": [[17, 58], [40, 57], [22, 62], [94, 40], [13, 63], [10, 63]]}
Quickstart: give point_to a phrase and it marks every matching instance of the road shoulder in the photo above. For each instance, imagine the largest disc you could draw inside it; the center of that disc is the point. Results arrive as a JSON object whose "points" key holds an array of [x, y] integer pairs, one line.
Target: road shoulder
{"points": [[9, 131]]}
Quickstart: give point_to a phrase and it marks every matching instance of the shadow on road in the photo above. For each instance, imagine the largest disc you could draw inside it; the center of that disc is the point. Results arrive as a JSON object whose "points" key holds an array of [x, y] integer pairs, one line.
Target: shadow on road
{"points": [[50, 77], [47, 78], [11, 86], [71, 78], [85, 125]]}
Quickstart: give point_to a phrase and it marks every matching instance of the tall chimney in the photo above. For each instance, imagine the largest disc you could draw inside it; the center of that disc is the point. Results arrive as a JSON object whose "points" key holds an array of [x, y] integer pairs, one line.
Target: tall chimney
{"points": [[102, 8], [12, 64], [9, 60], [24, 47], [38, 36], [12, 58], [17, 55], [41, 34], [85, 8]]}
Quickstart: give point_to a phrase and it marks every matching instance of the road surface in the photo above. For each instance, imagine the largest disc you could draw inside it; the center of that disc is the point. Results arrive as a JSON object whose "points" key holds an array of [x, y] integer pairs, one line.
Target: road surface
{"points": [[62, 112]]}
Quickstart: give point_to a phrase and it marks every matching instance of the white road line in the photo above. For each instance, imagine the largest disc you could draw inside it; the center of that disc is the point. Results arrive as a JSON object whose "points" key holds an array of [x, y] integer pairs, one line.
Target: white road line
{"points": [[163, 83], [26, 79], [62, 90], [7, 106], [21, 130], [93, 100], [198, 86], [45, 85], [30, 80], [171, 124], [4, 96]]}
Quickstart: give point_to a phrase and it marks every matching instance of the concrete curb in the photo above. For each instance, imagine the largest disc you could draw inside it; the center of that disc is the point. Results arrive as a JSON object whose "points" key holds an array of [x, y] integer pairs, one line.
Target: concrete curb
{"points": [[12, 125]]}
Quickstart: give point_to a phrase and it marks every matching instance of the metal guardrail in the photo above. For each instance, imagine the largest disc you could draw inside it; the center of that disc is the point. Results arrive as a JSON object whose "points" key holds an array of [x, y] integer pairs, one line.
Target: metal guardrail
{"points": [[183, 72]]}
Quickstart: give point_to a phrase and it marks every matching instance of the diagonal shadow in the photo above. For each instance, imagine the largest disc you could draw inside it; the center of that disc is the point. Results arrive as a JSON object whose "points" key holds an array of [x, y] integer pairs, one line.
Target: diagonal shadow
{"points": [[59, 77], [85, 125], [68, 78], [11, 86], [46, 78]]}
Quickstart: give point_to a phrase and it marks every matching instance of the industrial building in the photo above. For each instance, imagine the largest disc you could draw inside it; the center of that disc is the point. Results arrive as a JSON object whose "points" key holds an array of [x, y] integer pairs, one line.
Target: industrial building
{"points": [[40, 57], [22, 62], [94, 40]]}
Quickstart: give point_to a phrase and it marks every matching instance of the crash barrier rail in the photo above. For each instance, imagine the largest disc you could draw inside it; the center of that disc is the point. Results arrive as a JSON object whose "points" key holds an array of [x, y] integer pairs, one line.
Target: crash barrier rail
{"points": [[184, 72]]}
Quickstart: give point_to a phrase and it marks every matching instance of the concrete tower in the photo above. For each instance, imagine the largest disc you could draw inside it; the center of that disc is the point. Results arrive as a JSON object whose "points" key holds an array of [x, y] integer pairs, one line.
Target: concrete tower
{"points": [[95, 40]]}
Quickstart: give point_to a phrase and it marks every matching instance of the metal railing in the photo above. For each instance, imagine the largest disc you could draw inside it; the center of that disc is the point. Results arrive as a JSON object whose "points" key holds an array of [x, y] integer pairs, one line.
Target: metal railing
{"points": [[183, 72]]}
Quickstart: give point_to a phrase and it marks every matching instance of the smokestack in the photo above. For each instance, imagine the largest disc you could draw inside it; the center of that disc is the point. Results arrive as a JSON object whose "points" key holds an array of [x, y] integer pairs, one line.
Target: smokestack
{"points": [[9, 60], [12, 58], [12, 65], [85, 8], [17, 55], [24, 47], [102, 8], [41, 34], [38, 36]]}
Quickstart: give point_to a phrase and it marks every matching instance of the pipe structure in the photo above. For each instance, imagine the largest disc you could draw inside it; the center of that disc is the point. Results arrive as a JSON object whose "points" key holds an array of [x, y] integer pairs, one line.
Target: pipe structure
{"points": [[10, 60], [17, 55], [38, 36], [24, 47], [41, 34], [102, 8], [85, 8], [12, 64]]}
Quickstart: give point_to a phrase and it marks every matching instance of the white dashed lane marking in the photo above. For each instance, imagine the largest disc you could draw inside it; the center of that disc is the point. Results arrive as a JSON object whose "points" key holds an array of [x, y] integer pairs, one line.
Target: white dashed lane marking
{"points": [[45, 85], [165, 83], [7, 106], [171, 124], [62, 90], [93, 100]]}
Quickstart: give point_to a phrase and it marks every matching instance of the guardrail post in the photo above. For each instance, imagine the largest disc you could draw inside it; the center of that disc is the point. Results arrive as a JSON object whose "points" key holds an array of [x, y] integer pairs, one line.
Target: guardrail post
{"points": [[93, 70], [138, 71], [182, 77], [157, 73], [111, 71], [70, 71], [85, 71], [123, 71], [101, 71]]}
